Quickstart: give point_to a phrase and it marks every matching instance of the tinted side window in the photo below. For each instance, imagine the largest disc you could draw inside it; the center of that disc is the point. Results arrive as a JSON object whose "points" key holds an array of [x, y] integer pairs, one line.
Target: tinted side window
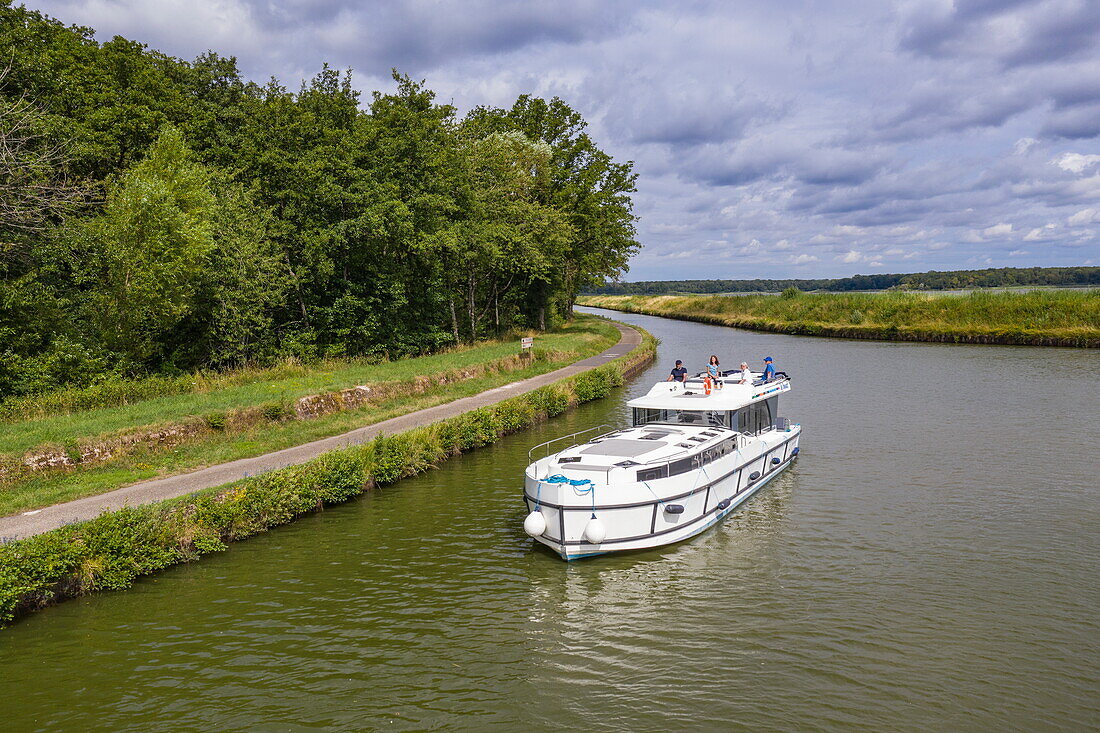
{"points": [[650, 474], [773, 410], [681, 466]]}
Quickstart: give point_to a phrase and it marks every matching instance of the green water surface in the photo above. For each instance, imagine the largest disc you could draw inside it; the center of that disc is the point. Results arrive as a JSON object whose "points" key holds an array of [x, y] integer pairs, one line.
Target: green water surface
{"points": [[928, 563]]}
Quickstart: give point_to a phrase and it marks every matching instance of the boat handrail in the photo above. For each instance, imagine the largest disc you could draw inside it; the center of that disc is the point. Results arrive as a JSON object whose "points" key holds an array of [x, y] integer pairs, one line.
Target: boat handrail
{"points": [[567, 437], [756, 382]]}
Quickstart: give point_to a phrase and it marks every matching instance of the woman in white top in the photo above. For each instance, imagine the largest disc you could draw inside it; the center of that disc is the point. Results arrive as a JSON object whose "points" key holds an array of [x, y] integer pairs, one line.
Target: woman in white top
{"points": [[746, 375]]}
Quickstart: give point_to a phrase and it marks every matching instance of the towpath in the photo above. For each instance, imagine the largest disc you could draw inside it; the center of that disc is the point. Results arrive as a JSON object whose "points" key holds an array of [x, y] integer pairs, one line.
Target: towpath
{"points": [[42, 520]]}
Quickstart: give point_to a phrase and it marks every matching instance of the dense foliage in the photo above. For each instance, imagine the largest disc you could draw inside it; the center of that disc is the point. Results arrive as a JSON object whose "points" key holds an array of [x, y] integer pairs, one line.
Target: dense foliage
{"points": [[1002, 277], [184, 217]]}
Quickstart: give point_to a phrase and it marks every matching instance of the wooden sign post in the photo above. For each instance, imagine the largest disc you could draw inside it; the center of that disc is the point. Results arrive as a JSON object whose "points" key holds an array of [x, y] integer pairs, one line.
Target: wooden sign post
{"points": [[525, 345]]}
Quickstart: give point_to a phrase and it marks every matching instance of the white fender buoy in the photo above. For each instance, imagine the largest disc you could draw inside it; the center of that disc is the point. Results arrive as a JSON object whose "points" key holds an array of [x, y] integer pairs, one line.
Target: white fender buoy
{"points": [[535, 524], [594, 531]]}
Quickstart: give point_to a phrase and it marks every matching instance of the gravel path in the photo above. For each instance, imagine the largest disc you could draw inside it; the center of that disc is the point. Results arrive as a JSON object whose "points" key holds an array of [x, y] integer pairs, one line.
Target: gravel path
{"points": [[42, 520]]}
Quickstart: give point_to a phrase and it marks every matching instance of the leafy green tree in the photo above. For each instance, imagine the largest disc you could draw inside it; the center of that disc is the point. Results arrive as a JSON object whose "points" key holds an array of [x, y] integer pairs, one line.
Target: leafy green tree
{"points": [[509, 238], [240, 288], [152, 241], [588, 186]]}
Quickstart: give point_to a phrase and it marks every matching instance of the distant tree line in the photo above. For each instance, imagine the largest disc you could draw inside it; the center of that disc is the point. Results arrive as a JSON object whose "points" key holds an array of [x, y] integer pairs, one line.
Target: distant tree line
{"points": [[163, 215], [932, 280]]}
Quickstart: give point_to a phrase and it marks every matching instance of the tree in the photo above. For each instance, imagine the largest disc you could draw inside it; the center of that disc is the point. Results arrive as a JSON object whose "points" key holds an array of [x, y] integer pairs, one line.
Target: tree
{"points": [[151, 240], [508, 239], [587, 186], [35, 186], [242, 284]]}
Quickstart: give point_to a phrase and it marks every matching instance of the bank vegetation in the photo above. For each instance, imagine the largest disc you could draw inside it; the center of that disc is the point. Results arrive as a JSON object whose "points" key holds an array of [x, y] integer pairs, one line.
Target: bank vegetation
{"points": [[71, 453], [1034, 318], [111, 551]]}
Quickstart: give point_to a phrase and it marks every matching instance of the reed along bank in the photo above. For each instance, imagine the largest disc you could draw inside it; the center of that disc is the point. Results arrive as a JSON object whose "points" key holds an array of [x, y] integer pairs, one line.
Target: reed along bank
{"points": [[1033, 318]]}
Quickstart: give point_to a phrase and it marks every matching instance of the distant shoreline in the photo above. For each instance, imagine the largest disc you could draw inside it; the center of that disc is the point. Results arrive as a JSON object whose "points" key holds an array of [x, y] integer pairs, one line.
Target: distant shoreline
{"points": [[1033, 318], [1082, 276]]}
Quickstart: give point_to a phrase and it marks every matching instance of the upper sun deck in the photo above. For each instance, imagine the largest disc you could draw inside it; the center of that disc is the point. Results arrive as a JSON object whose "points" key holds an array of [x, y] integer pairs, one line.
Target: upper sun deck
{"points": [[691, 395]]}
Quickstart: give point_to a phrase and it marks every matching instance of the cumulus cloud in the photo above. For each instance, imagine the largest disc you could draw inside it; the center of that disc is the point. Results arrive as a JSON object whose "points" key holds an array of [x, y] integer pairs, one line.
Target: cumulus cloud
{"points": [[1084, 216], [916, 133], [1040, 234], [997, 230], [1076, 162]]}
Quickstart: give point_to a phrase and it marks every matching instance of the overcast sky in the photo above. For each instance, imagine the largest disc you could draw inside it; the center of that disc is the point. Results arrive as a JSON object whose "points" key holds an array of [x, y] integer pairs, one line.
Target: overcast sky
{"points": [[802, 138]]}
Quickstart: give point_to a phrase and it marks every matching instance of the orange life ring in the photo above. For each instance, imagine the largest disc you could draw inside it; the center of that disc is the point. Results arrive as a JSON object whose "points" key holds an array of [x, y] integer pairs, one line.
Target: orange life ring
{"points": [[706, 384]]}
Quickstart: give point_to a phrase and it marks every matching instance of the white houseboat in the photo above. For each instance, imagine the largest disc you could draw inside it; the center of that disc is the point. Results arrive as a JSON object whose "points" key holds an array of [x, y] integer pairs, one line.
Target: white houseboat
{"points": [[696, 451]]}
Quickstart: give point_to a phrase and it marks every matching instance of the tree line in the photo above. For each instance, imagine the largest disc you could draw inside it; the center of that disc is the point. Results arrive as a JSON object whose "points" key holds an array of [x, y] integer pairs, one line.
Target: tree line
{"points": [[932, 280], [158, 214]]}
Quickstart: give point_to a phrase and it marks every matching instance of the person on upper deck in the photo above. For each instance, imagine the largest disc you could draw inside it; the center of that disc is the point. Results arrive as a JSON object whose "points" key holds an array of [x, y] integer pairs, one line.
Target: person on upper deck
{"points": [[714, 371], [769, 369], [679, 373], [746, 374]]}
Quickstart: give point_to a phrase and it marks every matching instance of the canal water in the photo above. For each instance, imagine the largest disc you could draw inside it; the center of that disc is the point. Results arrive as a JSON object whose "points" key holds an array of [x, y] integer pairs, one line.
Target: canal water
{"points": [[929, 562]]}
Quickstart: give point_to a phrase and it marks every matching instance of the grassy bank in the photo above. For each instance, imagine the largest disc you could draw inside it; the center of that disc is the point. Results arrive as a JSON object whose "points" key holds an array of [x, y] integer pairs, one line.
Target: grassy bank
{"points": [[1035, 318], [233, 421], [109, 552]]}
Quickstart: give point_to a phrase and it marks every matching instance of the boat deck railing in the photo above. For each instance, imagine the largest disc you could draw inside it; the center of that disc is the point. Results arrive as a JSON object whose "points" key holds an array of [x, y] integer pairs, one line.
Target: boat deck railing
{"points": [[571, 436], [732, 377]]}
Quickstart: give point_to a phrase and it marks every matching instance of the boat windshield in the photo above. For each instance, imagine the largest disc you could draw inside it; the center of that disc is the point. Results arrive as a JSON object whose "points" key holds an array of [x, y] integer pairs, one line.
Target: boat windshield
{"points": [[644, 416]]}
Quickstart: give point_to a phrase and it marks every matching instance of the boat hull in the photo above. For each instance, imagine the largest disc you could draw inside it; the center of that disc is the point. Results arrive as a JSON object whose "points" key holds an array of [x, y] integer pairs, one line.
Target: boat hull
{"points": [[648, 524]]}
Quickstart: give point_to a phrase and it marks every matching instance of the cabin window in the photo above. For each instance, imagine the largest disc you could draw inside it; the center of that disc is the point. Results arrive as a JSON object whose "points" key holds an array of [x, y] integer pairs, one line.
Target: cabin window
{"points": [[649, 474], [681, 466], [773, 409], [708, 418], [645, 415], [701, 418], [759, 416]]}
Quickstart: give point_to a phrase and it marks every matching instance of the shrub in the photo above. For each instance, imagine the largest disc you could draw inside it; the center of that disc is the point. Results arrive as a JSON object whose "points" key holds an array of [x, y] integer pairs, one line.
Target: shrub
{"points": [[215, 420], [277, 411]]}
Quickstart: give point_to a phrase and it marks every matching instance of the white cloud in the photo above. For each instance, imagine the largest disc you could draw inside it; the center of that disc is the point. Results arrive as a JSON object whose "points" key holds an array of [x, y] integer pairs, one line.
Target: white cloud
{"points": [[802, 259], [851, 257], [1084, 216], [1043, 233], [997, 230], [847, 230], [1018, 253], [1075, 162], [1023, 145]]}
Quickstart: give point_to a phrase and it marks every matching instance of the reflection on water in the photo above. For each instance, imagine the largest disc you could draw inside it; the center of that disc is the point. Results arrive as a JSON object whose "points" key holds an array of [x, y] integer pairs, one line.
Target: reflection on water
{"points": [[930, 561]]}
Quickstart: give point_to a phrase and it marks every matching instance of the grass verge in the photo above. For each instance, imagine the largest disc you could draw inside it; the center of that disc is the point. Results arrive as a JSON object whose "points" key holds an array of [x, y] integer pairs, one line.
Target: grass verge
{"points": [[109, 552], [584, 337], [1033, 318]]}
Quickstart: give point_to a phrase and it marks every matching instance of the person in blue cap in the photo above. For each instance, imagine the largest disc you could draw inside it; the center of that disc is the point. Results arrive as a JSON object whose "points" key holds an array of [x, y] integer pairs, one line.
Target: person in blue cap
{"points": [[769, 369]]}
